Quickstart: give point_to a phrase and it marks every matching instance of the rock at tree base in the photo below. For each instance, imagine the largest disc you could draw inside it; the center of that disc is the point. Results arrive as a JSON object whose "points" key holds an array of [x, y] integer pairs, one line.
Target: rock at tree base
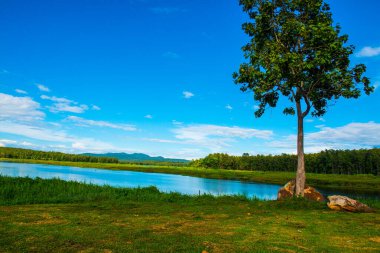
{"points": [[309, 192], [343, 203]]}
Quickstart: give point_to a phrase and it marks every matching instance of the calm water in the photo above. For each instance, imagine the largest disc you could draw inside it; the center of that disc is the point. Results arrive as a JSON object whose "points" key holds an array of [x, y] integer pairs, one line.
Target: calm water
{"points": [[164, 182]]}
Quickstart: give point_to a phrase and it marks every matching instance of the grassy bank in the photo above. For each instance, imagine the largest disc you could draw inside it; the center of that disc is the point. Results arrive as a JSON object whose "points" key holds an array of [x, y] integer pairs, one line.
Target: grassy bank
{"points": [[352, 183], [58, 216]]}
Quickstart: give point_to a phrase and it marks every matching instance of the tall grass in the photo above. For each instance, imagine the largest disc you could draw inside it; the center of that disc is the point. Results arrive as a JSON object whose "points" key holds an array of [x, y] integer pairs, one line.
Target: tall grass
{"points": [[25, 190]]}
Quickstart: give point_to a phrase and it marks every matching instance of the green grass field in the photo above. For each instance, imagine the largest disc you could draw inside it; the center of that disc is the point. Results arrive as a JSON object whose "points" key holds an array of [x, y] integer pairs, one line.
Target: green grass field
{"points": [[57, 216], [353, 183]]}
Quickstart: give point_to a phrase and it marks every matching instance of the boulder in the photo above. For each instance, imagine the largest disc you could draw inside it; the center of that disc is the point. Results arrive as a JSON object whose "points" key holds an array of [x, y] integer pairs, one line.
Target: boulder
{"points": [[343, 203], [288, 191]]}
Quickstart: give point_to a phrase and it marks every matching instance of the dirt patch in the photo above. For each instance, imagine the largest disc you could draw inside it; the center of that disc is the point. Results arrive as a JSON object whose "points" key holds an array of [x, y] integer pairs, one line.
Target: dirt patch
{"points": [[375, 239], [199, 227], [120, 223]]}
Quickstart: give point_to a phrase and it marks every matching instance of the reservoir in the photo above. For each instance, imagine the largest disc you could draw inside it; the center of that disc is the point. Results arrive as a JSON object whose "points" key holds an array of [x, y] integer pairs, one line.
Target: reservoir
{"points": [[164, 182], [122, 178]]}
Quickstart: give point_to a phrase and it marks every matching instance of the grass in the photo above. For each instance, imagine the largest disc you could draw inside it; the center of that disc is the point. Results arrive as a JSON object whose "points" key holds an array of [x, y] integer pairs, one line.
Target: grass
{"points": [[369, 184], [38, 215]]}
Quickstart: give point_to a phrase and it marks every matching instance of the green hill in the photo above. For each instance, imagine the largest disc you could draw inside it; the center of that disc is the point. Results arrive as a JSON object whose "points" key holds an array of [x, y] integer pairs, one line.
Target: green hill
{"points": [[137, 157]]}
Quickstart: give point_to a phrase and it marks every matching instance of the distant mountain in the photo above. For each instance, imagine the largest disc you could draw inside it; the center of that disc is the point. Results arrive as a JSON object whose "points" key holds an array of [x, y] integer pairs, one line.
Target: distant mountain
{"points": [[137, 157]]}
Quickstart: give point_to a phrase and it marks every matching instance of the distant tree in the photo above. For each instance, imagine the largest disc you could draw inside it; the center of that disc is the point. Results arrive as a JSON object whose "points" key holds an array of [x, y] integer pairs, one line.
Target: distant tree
{"points": [[296, 51]]}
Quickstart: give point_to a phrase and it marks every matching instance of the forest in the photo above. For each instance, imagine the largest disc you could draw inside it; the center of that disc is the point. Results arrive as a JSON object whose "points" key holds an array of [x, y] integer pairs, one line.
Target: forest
{"points": [[20, 153], [351, 162]]}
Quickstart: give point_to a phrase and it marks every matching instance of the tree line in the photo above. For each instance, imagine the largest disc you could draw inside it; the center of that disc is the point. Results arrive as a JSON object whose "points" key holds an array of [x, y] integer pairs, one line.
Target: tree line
{"points": [[20, 153], [363, 161]]}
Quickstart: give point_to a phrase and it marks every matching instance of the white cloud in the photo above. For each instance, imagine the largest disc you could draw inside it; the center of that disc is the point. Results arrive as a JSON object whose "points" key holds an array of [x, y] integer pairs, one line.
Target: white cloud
{"points": [[196, 132], [376, 85], [171, 55], [161, 140], [369, 52], [57, 99], [256, 107], [187, 94], [90, 145], [43, 88], [229, 107], [27, 144], [19, 108], [175, 122], [208, 138], [78, 145], [148, 116], [65, 105], [93, 146], [87, 122], [183, 153], [95, 108], [21, 116], [5, 142], [34, 131], [21, 91], [353, 134], [215, 137], [59, 139], [350, 136]]}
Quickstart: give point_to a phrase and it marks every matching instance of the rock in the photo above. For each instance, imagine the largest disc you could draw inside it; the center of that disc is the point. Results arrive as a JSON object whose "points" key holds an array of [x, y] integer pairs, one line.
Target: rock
{"points": [[309, 192], [343, 203]]}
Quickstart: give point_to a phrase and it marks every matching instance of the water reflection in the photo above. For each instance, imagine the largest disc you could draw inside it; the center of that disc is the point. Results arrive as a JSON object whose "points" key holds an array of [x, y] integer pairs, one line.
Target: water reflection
{"points": [[164, 182]]}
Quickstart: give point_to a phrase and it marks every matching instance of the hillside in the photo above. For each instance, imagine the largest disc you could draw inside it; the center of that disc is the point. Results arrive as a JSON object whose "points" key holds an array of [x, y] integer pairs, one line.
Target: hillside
{"points": [[137, 157]]}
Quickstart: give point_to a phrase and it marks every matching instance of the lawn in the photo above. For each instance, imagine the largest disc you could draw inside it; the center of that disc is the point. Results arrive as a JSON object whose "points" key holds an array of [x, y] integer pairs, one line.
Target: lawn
{"points": [[57, 216]]}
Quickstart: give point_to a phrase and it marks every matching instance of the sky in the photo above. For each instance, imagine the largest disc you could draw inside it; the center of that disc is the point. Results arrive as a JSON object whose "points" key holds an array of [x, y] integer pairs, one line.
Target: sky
{"points": [[155, 76]]}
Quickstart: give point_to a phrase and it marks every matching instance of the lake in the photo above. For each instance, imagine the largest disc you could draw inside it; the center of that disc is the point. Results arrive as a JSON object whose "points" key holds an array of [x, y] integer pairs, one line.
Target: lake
{"points": [[164, 182]]}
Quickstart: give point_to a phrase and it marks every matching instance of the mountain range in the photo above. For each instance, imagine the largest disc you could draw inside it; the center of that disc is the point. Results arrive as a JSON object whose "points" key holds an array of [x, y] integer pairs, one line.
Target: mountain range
{"points": [[137, 157]]}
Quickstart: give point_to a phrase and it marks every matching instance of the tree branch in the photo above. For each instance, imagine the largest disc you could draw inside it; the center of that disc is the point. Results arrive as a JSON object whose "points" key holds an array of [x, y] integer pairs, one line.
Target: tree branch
{"points": [[308, 106]]}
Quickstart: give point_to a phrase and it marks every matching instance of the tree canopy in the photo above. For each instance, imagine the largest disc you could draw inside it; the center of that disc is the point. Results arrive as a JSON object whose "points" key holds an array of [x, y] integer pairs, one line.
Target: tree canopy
{"points": [[296, 51]]}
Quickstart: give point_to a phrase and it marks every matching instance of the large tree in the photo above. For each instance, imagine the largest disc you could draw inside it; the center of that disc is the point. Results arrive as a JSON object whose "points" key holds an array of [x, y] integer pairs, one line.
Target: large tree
{"points": [[296, 51]]}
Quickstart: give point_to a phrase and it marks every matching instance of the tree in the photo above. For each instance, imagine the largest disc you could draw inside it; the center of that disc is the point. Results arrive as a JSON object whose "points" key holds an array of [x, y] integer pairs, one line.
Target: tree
{"points": [[296, 51]]}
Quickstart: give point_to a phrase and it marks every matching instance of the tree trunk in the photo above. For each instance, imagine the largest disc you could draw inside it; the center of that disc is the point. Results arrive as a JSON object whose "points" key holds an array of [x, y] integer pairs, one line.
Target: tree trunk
{"points": [[300, 177]]}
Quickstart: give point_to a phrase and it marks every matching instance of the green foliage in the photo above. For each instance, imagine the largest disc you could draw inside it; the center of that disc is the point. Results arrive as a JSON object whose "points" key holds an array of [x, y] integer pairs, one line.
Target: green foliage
{"points": [[326, 162], [20, 153], [296, 51]]}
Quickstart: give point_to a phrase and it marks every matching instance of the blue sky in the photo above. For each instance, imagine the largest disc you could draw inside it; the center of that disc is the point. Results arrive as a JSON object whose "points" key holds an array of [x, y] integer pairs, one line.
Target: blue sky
{"points": [[156, 77]]}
